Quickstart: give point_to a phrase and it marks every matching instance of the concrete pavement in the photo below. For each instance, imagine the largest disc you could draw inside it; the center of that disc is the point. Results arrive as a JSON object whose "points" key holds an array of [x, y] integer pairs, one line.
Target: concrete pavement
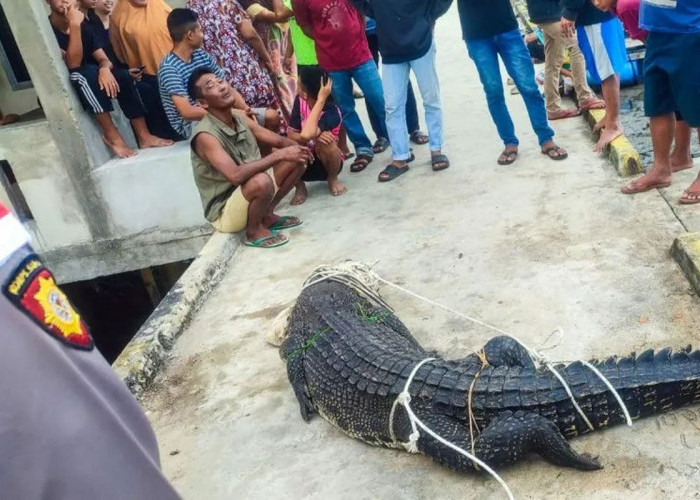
{"points": [[528, 247]]}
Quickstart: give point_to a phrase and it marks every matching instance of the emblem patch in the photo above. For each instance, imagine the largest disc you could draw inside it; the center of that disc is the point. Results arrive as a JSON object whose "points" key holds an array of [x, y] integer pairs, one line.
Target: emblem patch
{"points": [[33, 289]]}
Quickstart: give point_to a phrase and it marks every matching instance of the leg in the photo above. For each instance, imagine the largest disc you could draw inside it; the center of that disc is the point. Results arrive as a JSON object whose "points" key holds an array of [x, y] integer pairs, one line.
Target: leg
{"points": [[483, 53], [553, 61], [395, 79], [517, 61], [367, 77], [412, 122], [611, 124], [507, 439], [586, 98], [429, 85], [259, 192], [505, 351], [342, 94], [373, 44], [156, 121], [681, 158], [332, 160], [287, 175], [111, 136]]}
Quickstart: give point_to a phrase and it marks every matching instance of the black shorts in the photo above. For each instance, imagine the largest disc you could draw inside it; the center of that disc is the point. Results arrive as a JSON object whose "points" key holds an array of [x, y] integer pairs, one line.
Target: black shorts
{"points": [[672, 76], [316, 171]]}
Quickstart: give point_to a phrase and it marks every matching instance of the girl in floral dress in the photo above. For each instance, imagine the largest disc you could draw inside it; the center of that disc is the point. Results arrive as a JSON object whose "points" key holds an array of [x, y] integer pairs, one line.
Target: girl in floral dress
{"points": [[231, 39]]}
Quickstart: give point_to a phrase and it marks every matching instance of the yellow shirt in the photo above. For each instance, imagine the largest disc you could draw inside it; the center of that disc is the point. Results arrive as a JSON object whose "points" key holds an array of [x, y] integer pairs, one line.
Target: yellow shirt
{"points": [[139, 34]]}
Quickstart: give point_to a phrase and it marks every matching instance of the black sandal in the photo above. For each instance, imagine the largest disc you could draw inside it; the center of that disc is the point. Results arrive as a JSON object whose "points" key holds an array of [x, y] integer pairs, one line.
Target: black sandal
{"points": [[360, 163], [418, 137], [391, 172], [561, 154], [510, 157], [380, 146], [440, 162]]}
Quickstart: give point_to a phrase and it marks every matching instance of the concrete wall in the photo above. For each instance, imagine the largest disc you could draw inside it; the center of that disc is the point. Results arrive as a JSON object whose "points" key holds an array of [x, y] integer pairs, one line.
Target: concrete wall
{"points": [[19, 101]]}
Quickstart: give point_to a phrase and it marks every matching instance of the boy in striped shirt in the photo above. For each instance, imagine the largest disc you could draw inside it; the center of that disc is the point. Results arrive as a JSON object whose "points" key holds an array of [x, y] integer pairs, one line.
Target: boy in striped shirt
{"points": [[177, 67]]}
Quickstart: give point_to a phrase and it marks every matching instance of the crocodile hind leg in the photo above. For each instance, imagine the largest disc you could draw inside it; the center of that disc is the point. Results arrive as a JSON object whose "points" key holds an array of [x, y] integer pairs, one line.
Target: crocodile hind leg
{"points": [[507, 439], [292, 352], [506, 351]]}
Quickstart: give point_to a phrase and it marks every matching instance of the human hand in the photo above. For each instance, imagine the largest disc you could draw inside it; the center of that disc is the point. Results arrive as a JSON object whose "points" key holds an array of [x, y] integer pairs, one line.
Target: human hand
{"points": [[287, 65], [107, 82], [250, 113], [568, 28], [326, 89], [136, 73], [296, 154], [74, 16], [326, 138]]}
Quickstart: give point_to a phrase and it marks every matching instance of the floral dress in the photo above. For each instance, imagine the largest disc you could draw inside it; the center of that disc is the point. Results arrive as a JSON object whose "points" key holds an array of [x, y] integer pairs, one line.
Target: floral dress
{"points": [[276, 38], [241, 63]]}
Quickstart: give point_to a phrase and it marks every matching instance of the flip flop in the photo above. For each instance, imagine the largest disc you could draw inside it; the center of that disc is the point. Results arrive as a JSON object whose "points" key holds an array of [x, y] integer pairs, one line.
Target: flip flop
{"points": [[260, 242], [564, 113], [632, 189], [440, 162], [392, 172], [511, 156], [561, 154], [686, 198], [286, 222], [360, 163], [418, 137], [381, 145], [592, 103]]}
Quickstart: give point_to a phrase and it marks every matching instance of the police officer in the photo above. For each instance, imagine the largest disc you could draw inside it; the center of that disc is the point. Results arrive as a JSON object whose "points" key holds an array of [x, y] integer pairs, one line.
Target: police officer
{"points": [[69, 428]]}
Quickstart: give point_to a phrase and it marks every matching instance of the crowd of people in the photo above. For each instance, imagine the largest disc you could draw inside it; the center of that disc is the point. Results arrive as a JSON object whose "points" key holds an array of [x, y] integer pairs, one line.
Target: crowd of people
{"points": [[265, 89]]}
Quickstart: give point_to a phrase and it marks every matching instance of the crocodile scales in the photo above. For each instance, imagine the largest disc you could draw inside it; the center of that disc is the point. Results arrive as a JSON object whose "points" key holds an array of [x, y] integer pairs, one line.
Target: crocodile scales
{"points": [[348, 360]]}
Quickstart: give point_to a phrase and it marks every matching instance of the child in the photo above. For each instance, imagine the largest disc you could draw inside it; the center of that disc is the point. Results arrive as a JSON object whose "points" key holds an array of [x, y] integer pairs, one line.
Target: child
{"points": [[315, 122]]}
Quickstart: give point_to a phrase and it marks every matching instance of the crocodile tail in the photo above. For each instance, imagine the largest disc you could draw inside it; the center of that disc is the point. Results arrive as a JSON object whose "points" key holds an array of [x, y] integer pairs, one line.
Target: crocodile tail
{"points": [[649, 383]]}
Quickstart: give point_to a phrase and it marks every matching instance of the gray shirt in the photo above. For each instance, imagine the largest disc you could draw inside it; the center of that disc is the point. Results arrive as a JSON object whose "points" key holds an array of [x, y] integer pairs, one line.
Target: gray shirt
{"points": [[69, 428]]}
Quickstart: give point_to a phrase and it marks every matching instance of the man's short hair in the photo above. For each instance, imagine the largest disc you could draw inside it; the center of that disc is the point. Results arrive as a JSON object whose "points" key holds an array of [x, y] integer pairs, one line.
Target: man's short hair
{"points": [[192, 89], [180, 22]]}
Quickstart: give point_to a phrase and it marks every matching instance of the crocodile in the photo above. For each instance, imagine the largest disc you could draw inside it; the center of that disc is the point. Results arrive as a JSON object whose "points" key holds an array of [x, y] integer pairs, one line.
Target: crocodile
{"points": [[349, 358]]}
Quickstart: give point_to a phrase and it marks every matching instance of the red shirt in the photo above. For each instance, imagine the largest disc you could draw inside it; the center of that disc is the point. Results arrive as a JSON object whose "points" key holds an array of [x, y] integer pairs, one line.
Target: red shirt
{"points": [[338, 30], [628, 12]]}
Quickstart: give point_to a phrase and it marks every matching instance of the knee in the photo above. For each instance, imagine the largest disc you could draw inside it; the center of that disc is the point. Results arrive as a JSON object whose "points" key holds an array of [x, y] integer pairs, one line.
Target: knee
{"points": [[260, 185], [494, 93]]}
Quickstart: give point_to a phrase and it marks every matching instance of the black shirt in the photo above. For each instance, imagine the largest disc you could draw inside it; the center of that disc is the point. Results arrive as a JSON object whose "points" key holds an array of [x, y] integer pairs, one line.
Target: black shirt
{"points": [[102, 33], [330, 117], [91, 42], [486, 18]]}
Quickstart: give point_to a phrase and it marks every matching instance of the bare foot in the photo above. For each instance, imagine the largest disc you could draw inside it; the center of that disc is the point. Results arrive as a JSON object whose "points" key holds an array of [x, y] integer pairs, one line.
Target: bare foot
{"points": [[608, 135], [152, 141], [599, 126], [8, 119], [119, 147], [647, 182], [337, 188], [300, 194]]}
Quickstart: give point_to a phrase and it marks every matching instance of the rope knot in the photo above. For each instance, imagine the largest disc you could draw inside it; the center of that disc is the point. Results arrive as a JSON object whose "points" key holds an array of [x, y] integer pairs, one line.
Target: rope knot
{"points": [[411, 445], [404, 398]]}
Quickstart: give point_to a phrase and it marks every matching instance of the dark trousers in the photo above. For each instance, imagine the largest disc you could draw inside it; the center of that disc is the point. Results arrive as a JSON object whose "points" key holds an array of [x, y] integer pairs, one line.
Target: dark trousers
{"points": [[411, 108], [95, 101], [156, 120]]}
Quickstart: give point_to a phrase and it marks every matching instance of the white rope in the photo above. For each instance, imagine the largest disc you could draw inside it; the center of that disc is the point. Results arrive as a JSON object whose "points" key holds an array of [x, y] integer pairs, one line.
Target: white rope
{"points": [[404, 399]]}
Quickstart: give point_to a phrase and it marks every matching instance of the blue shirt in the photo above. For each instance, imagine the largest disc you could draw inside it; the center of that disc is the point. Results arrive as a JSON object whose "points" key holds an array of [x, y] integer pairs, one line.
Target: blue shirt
{"points": [[173, 76], [670, 16]]}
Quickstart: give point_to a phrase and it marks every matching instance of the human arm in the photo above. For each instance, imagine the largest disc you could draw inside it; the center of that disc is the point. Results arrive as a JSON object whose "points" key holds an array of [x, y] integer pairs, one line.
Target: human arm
{"points": [[105, 77], [303, 17], [279, 14], [288, 57], [310, 130], [251, 36], [74, 51], [209, 149]]}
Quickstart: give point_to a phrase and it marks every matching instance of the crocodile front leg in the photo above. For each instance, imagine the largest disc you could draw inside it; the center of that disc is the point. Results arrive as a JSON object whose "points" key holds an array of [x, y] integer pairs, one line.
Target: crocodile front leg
{"points": [[507, 439], [505, 351], [293, 353]]}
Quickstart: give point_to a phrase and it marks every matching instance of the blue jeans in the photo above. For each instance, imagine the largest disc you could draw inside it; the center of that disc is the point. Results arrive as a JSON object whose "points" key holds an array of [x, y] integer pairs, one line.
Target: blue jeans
{"points": [[412, 123], [511, 47], [367, 77], [396, 93]]}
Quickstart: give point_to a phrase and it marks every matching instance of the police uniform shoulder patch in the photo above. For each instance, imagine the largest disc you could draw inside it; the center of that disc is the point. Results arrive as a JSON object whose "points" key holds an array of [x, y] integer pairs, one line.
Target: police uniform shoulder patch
{"points": [[33, 289]]}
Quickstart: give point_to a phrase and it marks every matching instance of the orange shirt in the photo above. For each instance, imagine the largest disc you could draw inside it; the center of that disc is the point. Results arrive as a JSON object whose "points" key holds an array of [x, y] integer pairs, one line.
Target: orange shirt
{"points": [[139, 34]]}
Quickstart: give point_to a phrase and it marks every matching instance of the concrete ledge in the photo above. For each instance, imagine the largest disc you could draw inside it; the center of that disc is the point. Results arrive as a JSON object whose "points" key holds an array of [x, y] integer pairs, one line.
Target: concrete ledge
{"points": [[686, 252], [146, 354], [622, 153]]}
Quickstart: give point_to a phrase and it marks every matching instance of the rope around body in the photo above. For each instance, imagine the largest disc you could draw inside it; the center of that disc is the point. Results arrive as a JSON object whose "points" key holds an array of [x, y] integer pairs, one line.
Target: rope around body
{"points": [[365, 281]]}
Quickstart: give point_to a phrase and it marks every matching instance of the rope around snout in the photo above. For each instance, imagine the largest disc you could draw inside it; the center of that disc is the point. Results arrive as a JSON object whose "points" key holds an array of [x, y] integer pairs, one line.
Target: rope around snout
{"points": [[365, 281]]}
